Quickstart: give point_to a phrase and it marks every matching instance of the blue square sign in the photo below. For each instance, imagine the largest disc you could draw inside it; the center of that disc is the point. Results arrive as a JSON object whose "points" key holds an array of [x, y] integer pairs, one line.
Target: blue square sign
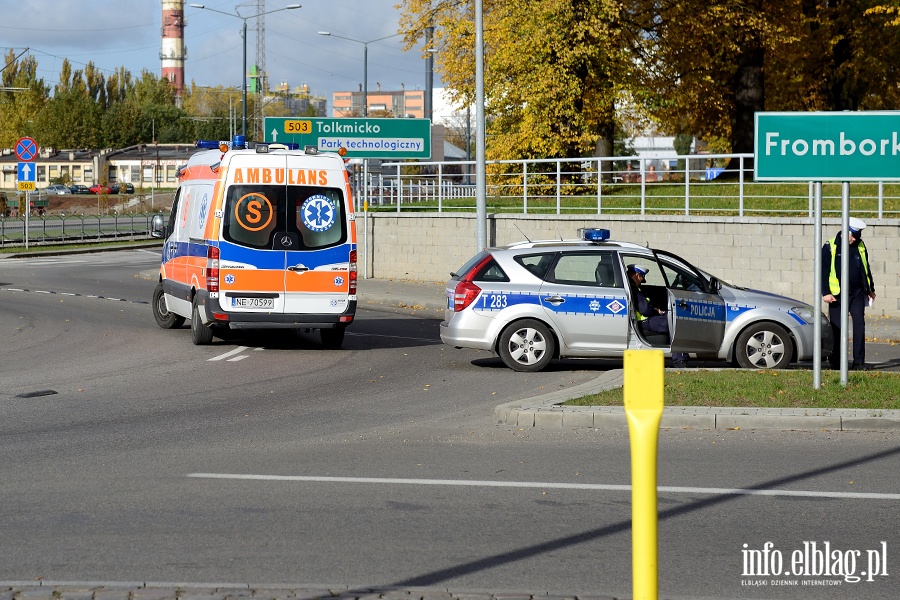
{"points": [[27, 171]]}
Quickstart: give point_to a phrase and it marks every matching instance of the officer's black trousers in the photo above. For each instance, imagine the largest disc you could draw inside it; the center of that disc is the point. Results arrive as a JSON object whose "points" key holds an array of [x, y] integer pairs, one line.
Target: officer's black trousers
{"points": [[858, 299]]}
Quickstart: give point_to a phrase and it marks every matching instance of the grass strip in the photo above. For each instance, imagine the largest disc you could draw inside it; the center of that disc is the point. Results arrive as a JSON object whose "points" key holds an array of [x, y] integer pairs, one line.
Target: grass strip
{"points": [[768, 389]]}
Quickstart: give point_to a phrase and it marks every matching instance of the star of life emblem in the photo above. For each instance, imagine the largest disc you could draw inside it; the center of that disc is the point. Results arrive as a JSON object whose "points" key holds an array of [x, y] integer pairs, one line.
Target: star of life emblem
{"points": [[318, 213], [338, 281], [615, 307], [229, 279]]}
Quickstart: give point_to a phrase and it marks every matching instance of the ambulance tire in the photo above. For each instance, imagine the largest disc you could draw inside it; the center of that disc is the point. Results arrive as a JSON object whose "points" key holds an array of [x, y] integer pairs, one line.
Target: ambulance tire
{"points": [[201, 334], [164, 318], [332, 338]]}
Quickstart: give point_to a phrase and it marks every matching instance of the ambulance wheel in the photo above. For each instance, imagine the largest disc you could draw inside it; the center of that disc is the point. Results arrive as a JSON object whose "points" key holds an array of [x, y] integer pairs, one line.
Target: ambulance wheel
{"points": [[526, 345], [164, 318], [764, 346], [201, 334], [332, 338]]}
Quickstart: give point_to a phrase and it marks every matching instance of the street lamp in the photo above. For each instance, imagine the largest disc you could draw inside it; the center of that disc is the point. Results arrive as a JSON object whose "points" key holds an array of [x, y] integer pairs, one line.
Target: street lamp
{"points": [[365, 63], [244, 36]]}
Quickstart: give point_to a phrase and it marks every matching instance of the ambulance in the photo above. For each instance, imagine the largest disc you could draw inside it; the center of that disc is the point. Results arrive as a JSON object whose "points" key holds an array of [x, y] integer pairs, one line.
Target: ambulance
{"points": [[259, 237]]}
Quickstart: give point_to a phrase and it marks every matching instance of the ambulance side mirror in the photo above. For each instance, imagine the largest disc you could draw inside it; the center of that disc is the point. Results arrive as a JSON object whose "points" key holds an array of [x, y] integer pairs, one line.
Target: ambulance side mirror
{"points": [[158, 227]]}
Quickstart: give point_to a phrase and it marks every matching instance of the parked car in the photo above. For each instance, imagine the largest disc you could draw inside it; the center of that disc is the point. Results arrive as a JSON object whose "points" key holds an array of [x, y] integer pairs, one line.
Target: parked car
{"points": [[57, 188], [532, 302], [79, 189], [99, 189], [126, 188]]}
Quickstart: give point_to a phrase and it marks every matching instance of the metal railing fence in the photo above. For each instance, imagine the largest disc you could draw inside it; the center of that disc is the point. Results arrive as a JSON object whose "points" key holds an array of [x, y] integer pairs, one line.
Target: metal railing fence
{"points": [[694, 185]]}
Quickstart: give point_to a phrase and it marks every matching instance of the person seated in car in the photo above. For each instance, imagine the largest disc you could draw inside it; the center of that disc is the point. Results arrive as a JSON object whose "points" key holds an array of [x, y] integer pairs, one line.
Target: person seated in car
{"points": [[650, 319]]}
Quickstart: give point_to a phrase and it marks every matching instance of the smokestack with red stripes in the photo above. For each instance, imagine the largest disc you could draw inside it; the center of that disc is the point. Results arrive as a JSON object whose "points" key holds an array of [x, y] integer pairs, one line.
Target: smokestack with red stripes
{"points": [[173, 51]]}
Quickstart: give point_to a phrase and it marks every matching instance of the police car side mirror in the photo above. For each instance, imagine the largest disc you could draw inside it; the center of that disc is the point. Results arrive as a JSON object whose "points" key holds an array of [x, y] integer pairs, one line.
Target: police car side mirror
{"points": [[714, 285]]}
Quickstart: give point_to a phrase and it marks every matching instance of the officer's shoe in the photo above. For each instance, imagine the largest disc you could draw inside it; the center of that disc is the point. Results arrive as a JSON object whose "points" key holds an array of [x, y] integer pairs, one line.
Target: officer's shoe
{"points": [[680, 364], [860, 367]]}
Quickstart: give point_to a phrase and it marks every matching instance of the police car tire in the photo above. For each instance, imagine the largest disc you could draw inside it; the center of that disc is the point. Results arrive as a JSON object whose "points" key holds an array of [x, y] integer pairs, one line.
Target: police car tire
{"points": [[764, 334], [201, 334], [332, 338], [164, 318], [526, 345]]}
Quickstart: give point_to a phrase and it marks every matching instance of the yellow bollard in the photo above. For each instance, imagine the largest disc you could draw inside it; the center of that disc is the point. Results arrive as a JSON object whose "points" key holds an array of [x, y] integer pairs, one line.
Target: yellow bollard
{"points": [[643, 391]]}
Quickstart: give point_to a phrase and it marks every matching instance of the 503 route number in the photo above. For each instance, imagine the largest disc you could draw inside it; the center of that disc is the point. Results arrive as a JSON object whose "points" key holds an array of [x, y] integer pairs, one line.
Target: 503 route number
{"points": [[298, 126]]}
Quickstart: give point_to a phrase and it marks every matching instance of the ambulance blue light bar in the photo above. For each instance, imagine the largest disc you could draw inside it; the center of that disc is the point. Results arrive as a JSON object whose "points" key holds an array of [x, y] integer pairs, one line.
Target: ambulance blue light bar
{"points": [[237, 143], [595, 235]]}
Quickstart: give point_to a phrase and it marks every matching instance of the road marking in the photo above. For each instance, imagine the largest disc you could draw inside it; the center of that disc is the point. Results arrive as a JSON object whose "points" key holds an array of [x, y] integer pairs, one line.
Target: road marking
{"points": [[237, 358], [542, 485], [237, 350]]}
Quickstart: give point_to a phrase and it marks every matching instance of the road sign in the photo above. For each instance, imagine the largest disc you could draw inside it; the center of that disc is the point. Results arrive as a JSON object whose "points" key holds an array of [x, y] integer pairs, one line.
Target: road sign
{"points": [[362, 138], [827, 146], [26, 176], [26, 149]]}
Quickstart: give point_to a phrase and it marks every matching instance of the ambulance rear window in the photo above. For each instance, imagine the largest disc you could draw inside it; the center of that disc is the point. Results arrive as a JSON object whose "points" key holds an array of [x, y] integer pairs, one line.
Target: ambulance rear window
{"points": [[256, 215]]}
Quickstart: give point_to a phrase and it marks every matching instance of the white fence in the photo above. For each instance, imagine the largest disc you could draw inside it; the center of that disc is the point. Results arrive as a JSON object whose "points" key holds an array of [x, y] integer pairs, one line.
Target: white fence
{"points": [[690, 185]]}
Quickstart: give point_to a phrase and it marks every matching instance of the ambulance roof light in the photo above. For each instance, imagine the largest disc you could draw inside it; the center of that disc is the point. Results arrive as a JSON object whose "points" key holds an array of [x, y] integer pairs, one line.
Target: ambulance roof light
{"points": [[208, 144], [262, 148], [238, 142], [311, 149], [595, 235]]}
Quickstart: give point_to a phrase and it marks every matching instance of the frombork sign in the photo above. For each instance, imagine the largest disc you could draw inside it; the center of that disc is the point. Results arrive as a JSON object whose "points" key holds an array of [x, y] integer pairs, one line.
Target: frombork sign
{"points": [[827, 146]]}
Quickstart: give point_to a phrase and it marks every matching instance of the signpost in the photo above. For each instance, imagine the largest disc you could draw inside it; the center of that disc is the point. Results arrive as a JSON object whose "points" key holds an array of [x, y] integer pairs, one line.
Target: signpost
{"points": [[828, 146], [26, 152], [361, 138]]}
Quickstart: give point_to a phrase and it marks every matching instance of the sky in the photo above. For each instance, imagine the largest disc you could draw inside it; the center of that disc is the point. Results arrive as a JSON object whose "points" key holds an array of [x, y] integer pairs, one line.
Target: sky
{"points": [[114, 33]]}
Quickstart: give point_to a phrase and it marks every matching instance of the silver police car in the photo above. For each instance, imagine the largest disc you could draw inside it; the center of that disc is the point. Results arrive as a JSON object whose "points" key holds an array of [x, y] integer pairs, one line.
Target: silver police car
{"points": [[531, 302]]}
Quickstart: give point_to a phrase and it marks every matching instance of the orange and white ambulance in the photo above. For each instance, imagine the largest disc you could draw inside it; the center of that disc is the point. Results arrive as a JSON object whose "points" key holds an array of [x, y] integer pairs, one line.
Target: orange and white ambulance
{"points": [[259, 238]]}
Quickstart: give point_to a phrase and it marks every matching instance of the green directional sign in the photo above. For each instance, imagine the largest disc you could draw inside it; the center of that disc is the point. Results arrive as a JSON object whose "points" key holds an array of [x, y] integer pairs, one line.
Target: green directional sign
{"points": [[361, 138], [827, 146]]}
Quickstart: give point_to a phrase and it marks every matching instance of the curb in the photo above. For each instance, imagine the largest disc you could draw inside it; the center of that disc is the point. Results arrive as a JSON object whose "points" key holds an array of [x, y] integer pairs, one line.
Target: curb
{"points": [[546, 411]]}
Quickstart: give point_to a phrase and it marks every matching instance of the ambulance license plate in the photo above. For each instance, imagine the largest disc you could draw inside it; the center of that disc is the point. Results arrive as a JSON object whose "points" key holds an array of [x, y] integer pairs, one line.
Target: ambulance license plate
{"points": [[253, 302]]}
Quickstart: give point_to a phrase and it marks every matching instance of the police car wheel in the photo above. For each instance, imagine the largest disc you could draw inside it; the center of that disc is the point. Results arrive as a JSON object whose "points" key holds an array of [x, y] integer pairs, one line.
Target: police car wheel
{"points": [[764, 346], [332, 338], [201, 334], [526, 345], [164, 318]]}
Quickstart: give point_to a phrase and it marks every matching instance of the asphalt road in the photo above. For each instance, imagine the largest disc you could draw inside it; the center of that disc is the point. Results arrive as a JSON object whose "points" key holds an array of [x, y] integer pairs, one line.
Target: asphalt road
{"points": [[128, 454]]}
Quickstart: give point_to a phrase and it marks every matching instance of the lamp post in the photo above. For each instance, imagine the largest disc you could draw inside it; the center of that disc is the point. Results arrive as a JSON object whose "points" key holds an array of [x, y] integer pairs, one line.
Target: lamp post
{"points": [[244, 36], [365, 62]]}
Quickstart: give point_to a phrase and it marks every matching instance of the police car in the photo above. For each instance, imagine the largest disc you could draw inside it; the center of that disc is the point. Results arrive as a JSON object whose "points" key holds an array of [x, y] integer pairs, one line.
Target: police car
{"points": [[531, 302]]}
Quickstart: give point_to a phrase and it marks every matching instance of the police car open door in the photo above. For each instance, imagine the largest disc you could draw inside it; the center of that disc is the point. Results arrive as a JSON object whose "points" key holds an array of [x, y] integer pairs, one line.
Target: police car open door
{"points": [[696, 309]]}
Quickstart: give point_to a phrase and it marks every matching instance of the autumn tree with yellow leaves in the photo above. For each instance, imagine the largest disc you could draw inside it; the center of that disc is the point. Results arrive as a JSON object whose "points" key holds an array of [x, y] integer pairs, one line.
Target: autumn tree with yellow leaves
{"points": [[557, 70]]}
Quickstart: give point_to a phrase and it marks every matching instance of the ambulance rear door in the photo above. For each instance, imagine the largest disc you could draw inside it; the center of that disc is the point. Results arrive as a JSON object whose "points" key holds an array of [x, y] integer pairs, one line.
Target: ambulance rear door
{"points": [[316, 237], [252, 255]]}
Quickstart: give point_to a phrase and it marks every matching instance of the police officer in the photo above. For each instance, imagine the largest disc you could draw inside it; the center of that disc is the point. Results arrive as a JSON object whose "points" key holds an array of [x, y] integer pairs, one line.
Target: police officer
{"points": [[649, 318], [860, 287]]}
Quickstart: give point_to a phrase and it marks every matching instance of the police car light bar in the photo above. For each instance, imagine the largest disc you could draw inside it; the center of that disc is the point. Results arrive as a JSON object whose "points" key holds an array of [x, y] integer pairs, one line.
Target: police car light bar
{"points": [[594, 235]]}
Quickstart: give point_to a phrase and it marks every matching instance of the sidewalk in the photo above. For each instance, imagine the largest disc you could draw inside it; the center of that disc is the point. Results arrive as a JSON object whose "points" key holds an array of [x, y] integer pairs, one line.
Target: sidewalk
{"points": [[545, 411], [64, 590]]}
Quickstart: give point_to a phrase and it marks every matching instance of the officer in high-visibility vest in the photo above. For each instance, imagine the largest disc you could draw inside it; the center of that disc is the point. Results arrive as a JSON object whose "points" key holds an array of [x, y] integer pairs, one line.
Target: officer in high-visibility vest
{"points": [[861, 288], [650, 319]]}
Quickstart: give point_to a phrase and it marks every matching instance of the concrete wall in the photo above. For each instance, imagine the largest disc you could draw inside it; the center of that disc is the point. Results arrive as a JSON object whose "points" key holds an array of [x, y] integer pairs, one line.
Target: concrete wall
{"points": [[771, 254]]}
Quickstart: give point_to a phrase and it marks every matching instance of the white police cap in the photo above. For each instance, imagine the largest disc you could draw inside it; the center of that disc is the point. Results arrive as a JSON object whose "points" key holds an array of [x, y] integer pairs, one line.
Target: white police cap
{"points": [[856, 225]]}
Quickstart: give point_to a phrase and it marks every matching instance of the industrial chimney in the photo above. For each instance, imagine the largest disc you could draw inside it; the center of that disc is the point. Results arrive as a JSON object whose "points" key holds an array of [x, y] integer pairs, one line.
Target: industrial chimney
{"points": [[173, 51]]}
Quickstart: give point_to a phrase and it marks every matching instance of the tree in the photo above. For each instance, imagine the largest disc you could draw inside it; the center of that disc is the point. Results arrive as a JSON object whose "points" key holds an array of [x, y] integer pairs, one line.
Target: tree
{"points": [[552, 70], [18, 108]]}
